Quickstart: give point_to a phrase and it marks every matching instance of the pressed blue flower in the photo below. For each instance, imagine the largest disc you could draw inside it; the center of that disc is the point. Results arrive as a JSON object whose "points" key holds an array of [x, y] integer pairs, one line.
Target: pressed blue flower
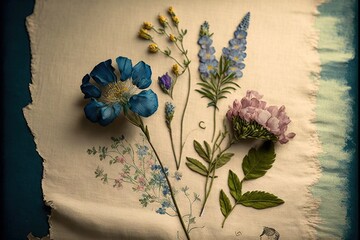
{"points": [[236, 57], [208, 68], [205, 41], [165, 190], [236, 70], [166, 204], [238, 44], [142, 150], [165, 82], [155, 167], [161, 211], [240, 33], [169, 111], [109, 95], [207, 54], [89, 89], [177, 176]]}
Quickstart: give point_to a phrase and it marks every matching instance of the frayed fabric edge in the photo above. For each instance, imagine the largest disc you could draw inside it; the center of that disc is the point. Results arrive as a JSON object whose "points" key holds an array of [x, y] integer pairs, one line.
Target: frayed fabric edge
{"points": [[32, 29]]}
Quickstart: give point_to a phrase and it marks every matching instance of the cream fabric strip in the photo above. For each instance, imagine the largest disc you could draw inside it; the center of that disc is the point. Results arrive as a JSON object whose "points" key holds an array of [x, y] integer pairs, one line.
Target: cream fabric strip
{"points": [[68, 38]]}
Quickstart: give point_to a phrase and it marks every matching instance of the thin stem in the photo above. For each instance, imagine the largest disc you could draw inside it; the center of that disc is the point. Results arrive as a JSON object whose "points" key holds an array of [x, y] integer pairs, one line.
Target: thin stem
{"points": [[183, 117], [168, 182], [206, 195], [223, 222], [214, 129], [173, 147], [216, 146]]}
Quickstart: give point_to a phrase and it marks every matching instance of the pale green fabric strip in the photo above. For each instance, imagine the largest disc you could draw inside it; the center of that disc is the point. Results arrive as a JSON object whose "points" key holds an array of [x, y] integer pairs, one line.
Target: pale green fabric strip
{"points": [[334, 112]]}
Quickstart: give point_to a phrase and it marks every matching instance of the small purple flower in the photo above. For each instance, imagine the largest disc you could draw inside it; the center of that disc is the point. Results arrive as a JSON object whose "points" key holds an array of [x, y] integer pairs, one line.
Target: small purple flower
{"points": [[165, 82]]}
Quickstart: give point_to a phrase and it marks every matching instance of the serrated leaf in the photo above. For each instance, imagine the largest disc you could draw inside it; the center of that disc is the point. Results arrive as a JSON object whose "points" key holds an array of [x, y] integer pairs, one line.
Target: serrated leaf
{"points": [[196, 166], [200, 151], [234, 186], [256, 163], [225, 205], [260, 200]]}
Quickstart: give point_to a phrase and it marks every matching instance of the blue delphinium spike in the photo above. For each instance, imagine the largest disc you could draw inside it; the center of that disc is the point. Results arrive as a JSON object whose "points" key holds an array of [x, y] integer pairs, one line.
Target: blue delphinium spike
{"points": [[244, 24], [235, 53], [208, 62]]}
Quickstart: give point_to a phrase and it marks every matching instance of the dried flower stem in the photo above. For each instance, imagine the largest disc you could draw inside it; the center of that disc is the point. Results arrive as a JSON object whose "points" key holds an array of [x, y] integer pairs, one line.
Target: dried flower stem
{"points": [[137, 121]]}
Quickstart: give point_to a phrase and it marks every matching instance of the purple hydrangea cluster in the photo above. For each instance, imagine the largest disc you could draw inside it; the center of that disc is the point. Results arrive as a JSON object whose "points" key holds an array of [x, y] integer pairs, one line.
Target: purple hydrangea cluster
{"points": [[208, 62], [235, 53], [251, 116]]}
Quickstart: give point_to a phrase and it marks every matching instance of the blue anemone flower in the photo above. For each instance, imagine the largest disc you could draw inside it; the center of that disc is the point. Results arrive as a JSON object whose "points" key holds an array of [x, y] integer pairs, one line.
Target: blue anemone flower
{"points": [[110, 95]]}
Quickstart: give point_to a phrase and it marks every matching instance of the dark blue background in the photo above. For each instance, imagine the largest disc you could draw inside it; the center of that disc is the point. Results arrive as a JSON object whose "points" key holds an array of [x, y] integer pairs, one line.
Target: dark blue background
{"points": [[22, 208]]}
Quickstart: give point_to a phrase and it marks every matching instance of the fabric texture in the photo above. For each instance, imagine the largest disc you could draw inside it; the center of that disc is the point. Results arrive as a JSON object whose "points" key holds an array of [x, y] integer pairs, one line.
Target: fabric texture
{"points": [[68, 38]]}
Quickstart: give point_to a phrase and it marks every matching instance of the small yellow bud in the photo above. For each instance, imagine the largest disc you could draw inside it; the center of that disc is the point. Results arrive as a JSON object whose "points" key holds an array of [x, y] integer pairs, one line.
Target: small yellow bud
{"points": [[175, 20], [147, 25], [172, 38], [163, 20], [153, 48], [171, 11], [143, 33], [175, 69]]}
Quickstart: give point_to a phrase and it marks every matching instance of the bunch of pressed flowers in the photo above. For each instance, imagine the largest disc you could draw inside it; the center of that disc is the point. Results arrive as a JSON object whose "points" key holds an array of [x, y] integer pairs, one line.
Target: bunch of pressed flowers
{"points": [[175, 36], [219, 77], [110, 95], [249, 118]]}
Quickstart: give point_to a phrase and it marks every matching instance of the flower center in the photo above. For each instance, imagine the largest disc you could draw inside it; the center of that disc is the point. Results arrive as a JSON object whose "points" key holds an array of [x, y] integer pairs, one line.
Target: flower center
{"points": [[118, 92]]}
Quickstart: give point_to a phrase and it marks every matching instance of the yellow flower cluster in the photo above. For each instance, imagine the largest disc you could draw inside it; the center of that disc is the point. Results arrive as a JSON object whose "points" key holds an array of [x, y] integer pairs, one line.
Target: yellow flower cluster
{"points": [[153, 48], [176, 70], [174, 18], [143, 33]]}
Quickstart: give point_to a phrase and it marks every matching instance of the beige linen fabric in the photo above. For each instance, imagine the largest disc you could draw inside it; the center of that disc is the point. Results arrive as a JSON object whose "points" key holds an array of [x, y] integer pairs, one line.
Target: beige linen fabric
{"points": [[69, 37]]}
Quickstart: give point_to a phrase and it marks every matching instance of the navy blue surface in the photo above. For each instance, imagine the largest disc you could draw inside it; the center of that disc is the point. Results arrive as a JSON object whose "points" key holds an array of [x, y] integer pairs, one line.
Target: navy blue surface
{"points": [[21, 169], [22, 208]]}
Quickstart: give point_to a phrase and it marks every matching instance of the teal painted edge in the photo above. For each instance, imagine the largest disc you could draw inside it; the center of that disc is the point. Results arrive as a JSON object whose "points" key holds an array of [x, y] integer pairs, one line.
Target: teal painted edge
{"points": [[353, 179], [349, 72], [23, 209]]}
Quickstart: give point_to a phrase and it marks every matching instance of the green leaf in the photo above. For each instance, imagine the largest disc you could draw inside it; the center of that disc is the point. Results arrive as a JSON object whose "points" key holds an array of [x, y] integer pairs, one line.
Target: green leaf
{"points": [[260, 200], [208, 148], [225, 205], [234, 186], [256, 163], [200, 150], [223, 159], [196, 166]]}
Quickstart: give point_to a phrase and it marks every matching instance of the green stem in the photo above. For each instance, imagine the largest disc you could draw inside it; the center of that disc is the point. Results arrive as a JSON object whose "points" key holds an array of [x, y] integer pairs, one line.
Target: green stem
{"points": [[206, 195], [236, 203], [214, 129], [172, 146], [183, 117], [223, 222], [168, 182]]}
